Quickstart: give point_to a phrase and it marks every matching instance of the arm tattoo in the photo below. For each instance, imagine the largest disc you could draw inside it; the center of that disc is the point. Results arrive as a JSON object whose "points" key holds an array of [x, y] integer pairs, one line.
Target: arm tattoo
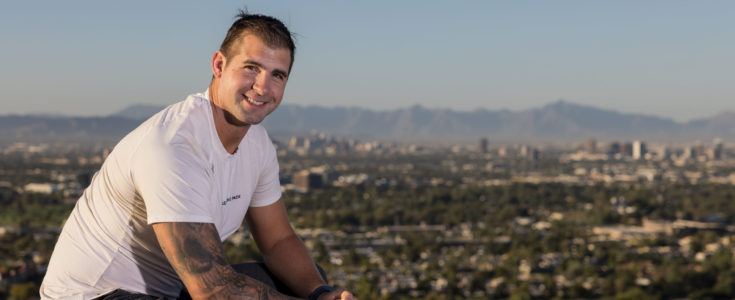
{"points": [[197, 254], [198, 247]]}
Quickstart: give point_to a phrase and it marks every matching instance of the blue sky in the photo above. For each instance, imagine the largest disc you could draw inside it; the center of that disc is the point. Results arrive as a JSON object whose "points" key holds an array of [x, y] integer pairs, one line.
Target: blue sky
{"points": [[666, 58]]}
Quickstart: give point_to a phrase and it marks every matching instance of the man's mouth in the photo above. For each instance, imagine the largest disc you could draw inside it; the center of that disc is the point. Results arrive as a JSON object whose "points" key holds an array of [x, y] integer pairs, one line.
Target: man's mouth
{"points": [[254, 102]]}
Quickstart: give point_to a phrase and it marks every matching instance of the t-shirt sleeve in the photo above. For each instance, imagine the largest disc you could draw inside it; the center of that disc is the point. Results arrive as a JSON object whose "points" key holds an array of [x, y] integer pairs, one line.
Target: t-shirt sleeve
{"points": [[268, 189], [172, 181]]}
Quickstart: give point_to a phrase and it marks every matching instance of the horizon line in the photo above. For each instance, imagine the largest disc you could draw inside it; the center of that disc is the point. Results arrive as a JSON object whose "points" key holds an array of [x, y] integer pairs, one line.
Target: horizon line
{"points": [[415, 105]]}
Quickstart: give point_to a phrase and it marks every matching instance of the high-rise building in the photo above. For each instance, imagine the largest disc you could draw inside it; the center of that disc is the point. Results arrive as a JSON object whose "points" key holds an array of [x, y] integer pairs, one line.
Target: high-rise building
{"points": [[306, 180], [613, 148], [700, 150], [502, 152], [529, 152], [293, 142], [639, 150], [627, 149], [690, 152], [717, 150], [664, 152], [484, 144]]}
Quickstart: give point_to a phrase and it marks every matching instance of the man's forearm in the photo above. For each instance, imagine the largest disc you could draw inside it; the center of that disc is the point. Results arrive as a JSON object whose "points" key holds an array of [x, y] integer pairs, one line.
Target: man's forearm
{"points": [[229, 284], [290, 261], [196, 253]]}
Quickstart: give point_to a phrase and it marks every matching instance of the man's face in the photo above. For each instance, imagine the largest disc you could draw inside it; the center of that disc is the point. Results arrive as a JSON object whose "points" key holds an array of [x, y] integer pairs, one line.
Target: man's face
{"points": [[251, 82]]}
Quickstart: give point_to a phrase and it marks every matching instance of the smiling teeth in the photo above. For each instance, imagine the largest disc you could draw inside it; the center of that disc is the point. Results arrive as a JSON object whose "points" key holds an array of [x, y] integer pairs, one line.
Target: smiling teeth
{"points": [[254, 102]]}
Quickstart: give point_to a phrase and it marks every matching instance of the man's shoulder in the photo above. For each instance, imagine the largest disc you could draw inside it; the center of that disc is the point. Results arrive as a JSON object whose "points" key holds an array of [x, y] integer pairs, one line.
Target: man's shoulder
{"points": [[190, 115], [185, 123], [195, 106]]}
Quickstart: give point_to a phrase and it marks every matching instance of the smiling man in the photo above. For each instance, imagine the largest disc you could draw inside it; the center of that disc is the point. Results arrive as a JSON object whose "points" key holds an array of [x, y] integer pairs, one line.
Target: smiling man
{"points": [[154, 217]]}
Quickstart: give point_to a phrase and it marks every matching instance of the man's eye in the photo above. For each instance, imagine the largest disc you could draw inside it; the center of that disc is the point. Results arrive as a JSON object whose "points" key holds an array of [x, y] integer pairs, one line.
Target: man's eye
{"points": [[251, 68]]}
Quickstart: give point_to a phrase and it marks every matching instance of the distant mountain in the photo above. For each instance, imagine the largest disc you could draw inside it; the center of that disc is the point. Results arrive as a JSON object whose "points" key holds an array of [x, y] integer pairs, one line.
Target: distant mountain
{"points": [[415, 121], [568, 120], [559, 120], [138, 111], [33, 128], [719, 125]]}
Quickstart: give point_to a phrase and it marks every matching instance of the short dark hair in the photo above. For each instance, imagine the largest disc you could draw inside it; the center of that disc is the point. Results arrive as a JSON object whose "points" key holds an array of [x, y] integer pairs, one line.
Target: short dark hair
{"points": [[269, 29]]}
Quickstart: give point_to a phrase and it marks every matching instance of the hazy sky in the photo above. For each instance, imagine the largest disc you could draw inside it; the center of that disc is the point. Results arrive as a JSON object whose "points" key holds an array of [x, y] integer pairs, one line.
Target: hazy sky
{"points": [[667, 58]]}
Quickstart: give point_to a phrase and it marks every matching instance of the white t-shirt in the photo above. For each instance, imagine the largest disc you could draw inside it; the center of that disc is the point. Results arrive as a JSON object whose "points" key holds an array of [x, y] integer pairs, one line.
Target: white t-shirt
{"points": [[172, 168]]}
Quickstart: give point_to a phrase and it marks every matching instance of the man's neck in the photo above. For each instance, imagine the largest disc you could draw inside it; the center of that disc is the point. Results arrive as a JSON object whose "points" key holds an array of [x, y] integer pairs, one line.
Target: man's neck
{"points": [[229, 135]]}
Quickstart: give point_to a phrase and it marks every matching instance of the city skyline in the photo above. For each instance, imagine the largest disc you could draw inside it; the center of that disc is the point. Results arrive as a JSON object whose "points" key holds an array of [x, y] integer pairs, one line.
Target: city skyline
{"points": [[655, 58], [400, 220]]}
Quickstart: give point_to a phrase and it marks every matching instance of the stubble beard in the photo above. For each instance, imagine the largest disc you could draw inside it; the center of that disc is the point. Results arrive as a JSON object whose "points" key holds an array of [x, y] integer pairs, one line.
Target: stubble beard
{"points": [[232, 120], [247, 117]]}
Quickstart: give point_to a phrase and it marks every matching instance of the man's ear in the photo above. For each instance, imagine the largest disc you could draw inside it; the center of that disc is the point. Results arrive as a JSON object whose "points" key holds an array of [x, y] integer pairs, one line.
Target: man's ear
{"points": [[218, 64]]}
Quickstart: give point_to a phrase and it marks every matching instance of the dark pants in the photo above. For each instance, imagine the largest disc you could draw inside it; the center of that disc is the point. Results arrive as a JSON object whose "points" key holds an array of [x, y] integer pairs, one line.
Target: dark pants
{"points": [[256, 270]]}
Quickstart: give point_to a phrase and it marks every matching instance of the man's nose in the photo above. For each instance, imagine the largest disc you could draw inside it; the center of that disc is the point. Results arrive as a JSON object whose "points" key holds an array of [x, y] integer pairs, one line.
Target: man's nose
{"points": [[262, 84]]}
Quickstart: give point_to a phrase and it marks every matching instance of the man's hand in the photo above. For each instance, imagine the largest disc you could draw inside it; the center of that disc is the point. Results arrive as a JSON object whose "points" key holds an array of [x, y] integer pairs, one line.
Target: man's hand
{"points": [[283, 252], [338, 294], [196, 253]]}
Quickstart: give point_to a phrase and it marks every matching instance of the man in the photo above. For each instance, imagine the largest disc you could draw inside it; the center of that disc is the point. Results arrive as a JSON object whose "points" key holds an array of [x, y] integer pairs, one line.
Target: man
{"points": [[173, 189]]}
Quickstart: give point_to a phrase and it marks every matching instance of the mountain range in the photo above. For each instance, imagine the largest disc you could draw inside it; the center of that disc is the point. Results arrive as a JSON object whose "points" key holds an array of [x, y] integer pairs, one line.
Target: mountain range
{"points": [[559, 120]]}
